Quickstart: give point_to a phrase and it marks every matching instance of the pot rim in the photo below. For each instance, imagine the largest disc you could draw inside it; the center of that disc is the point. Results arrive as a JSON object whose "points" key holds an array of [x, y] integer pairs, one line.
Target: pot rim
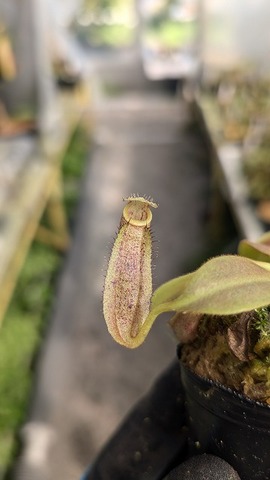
{"points": [[225, 402], [220, 385]]}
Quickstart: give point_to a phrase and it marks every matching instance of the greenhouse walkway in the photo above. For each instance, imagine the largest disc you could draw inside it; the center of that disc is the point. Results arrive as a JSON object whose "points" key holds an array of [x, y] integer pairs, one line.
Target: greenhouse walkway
{"points": [[144, 142]]}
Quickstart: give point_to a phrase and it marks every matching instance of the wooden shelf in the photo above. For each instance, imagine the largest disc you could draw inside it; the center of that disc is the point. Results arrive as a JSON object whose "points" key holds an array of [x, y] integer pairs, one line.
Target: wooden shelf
{"points": [[227, 160], [36, 186]]}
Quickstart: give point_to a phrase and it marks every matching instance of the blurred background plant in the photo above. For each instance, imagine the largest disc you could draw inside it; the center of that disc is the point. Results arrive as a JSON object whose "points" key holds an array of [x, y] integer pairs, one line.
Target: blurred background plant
{"points": [[107, 23], [171, 23]]}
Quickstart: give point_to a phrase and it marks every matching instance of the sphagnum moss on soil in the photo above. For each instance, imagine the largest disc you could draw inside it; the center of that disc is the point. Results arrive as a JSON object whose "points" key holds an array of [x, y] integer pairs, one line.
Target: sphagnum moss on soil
{"points": [[243, 366]]}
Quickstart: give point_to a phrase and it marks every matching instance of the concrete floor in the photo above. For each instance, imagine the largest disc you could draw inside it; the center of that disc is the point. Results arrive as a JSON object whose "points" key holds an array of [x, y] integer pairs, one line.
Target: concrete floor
{"points": [[142, 142]]}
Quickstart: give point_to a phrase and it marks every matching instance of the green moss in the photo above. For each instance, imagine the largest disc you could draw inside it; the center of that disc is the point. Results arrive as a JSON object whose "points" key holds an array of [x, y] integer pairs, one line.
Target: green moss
{"points": [[262, 323], [21, 335], [73, 168]]}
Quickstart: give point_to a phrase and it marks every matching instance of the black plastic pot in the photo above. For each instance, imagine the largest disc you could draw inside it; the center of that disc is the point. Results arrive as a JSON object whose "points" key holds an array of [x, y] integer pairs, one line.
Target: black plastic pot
{"points": [[229, 425]]}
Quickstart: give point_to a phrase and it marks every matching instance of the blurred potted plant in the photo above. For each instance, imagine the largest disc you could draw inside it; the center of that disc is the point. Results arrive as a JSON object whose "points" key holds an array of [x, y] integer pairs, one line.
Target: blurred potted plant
{"points": [[222, 323]]}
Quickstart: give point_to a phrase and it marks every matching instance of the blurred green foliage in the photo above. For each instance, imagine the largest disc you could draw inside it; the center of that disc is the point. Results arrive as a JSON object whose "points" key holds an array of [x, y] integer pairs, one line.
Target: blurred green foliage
{"points": [[110, 35], [26, 320], [99, 6], [110, 24], [171, 34]]}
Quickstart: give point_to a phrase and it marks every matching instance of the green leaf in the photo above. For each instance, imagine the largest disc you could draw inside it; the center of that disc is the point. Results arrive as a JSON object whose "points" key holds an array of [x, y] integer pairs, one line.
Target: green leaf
{"points": [[224, 285], [256, 250]]}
